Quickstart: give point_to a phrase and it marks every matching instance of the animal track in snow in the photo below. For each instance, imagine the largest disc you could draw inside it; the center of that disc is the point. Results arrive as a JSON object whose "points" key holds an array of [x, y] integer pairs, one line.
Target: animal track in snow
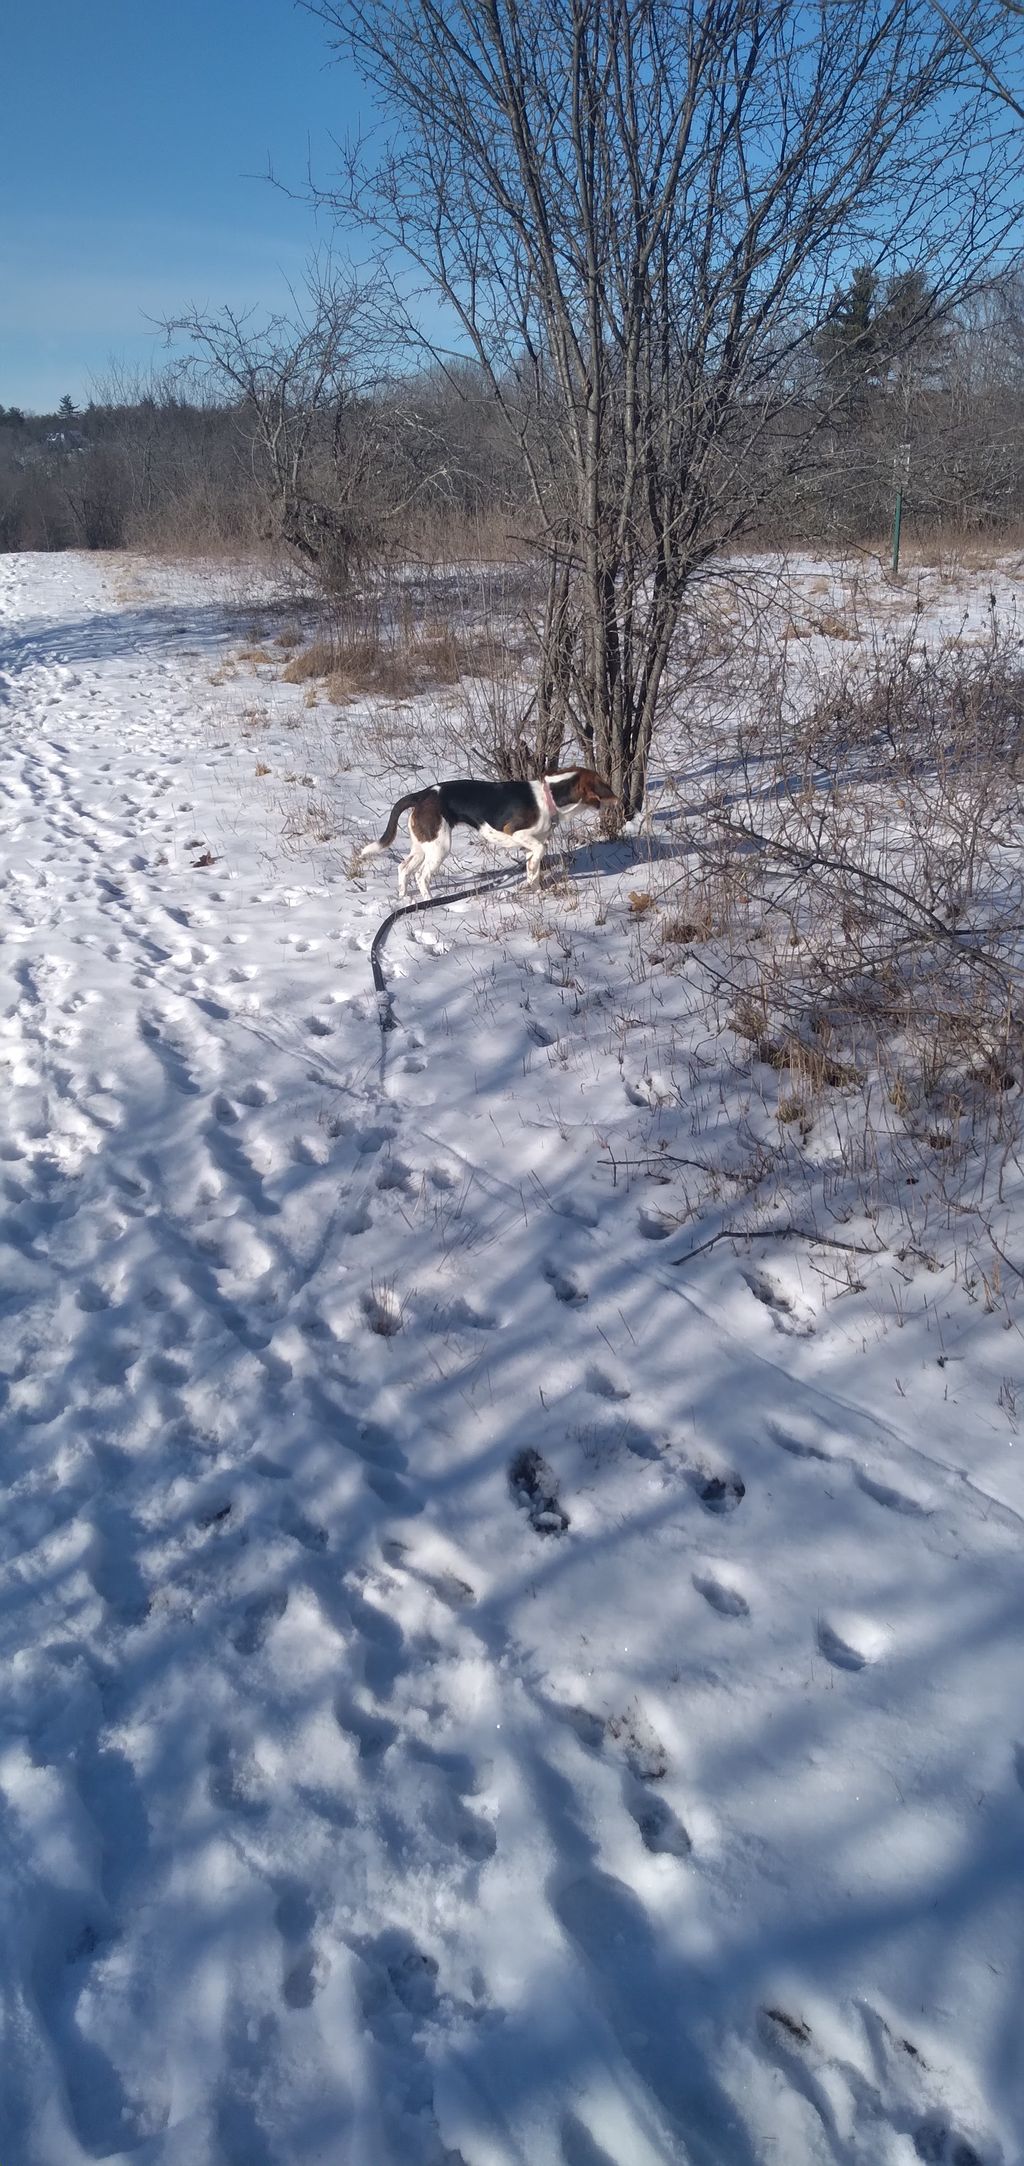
{"points": [[719, 1493], [885, 1493], [900, 2102], [456, 1315], [650, 1091], [604, 1385], [785, 1314], [257, 1093], [305, 1967], [258, 1619], [236, 1780], [454, 1591], [655, 1225], [372, 1734], [565, 1285], [535, 1489], [721, 1595], [850, 1642], [175, 1057], [394, 1173], [302, 1530], [660, 1829], [800, 1443], [645, 1759]]}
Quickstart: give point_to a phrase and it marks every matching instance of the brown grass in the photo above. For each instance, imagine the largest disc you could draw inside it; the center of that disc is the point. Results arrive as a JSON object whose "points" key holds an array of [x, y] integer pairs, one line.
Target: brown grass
{"points": [[314, 661], [413, 663]]}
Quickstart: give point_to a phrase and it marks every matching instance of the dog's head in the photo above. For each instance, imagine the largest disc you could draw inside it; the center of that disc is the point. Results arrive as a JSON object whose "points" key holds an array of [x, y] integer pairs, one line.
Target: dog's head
{"points": [[590, 788]]}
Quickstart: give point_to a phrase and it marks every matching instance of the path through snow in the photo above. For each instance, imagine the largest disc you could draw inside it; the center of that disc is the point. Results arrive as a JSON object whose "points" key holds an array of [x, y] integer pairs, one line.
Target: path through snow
{"points": [[467, 1696]]}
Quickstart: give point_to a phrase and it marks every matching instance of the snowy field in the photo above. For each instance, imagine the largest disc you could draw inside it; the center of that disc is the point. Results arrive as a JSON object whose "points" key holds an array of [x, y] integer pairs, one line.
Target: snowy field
{"points": [[484, 1684]]}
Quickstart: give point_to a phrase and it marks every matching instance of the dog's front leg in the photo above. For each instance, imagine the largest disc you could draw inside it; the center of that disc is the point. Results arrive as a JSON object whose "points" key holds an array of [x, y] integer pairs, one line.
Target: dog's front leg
{"points": [[523, 839], [533, 844]]}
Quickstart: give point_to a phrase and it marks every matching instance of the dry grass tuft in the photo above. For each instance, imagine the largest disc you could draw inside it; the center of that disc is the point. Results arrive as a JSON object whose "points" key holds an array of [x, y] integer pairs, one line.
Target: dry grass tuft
{"points": [[314, 661]]}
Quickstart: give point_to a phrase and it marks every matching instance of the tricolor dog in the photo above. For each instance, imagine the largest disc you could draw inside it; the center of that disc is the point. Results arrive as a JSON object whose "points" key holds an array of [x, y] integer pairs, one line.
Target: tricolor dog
{"points": [[517, 815]]}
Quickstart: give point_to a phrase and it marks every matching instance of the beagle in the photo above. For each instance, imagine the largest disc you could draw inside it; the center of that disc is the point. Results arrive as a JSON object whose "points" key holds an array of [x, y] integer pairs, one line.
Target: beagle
{"points": [[516, 815]]}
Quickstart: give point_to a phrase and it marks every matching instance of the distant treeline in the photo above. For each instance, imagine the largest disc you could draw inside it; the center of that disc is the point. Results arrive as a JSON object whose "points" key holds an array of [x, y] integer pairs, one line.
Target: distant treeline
{"points": [[426, 466]]}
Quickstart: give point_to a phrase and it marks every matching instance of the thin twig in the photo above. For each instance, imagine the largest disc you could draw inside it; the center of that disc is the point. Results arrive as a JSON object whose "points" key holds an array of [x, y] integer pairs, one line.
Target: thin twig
{"points": [[781, 1233]]}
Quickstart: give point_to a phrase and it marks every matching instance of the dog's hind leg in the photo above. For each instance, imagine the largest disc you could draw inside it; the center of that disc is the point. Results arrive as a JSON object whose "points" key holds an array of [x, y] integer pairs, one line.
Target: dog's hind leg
{"points": [[410, 865], [434, 854]]}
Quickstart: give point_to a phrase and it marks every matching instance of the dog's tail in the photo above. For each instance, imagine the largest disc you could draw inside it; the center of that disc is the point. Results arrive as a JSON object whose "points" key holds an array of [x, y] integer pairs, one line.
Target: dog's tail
{"points": [[405, 804]]}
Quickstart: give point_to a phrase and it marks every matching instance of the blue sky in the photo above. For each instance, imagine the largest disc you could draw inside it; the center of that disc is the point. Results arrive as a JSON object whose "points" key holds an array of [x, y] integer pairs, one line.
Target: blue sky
{"points": [[130, 136]]}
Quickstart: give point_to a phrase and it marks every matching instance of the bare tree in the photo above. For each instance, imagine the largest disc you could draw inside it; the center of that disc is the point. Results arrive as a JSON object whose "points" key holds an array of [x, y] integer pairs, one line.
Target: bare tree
{"points": [[996, 79], [301, 386], [638, 213]]}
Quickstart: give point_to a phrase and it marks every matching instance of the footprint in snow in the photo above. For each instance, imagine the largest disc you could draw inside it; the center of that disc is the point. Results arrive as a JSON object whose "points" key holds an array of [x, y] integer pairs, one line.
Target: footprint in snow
{"points": [[535, 1489], [394, 1173], [458, 1314], [455, 1592], [850, 1642], [604, 1385], [660, 1829], [790, 2040], [236, 1779], [257, 1093], [258, 1619], [655, 1225], [310, 1150], [443, 1177], [800, 1441], [718, 1493], [373, 1735], [886, 1494], [650, 1091], [721, 1595], [565, 1286], [784, 1313], [633, 1736], [302, 1530], [305, 1965]]}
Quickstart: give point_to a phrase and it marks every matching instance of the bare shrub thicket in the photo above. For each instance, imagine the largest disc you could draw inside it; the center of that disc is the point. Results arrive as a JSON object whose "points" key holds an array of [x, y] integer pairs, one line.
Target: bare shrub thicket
{"points": [[637, 216], [468, 639], [862, 874]]}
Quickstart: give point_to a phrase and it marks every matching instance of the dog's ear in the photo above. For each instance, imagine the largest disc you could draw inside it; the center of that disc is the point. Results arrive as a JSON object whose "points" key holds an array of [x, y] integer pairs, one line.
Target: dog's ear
{"points": [[594, 790]]}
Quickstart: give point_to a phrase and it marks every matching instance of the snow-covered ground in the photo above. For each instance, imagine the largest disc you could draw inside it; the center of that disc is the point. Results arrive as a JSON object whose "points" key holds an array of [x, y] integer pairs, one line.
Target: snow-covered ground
{"points": [[476, 1686]]}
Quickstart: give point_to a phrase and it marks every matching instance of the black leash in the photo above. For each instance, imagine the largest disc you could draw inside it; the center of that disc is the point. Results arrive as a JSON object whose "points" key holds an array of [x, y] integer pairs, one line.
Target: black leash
{"points": [[385, 1011]]}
